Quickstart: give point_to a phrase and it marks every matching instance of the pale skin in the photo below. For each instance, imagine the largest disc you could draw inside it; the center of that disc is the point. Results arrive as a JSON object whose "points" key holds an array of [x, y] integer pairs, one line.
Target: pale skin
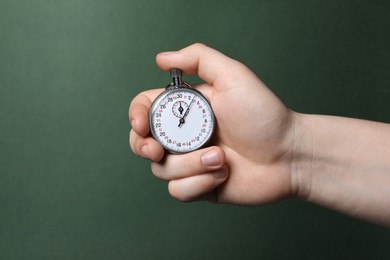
{"points": [[264, 152]]}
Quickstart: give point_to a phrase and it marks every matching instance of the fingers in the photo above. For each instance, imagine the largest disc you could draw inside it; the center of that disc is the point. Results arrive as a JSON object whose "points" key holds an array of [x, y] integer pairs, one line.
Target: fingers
{"points": [[139, 111], [140, 142], [194, 175], [186, 165], [208, 63], [198, 186], [146, 147]]}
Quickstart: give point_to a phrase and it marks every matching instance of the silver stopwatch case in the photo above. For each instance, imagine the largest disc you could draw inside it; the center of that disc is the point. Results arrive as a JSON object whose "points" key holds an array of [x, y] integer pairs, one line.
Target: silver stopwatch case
{"points": [[181, 119]]}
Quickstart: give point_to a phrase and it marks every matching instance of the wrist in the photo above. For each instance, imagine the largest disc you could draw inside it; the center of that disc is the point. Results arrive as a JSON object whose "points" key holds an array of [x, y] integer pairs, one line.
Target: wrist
{"points": [[303, 155]]}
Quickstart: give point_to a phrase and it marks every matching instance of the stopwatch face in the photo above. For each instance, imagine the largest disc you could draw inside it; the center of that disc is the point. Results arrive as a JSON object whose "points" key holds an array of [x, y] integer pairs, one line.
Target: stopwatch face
{"points": [[182, 120]]}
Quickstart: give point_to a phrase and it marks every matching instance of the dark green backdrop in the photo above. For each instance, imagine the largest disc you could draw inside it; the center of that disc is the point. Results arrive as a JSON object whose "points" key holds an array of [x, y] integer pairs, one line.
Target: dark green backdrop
{"points": [[71, 189]]}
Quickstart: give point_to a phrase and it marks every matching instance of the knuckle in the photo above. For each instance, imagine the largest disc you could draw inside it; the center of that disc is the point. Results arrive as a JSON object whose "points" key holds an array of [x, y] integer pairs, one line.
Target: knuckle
{"points": [[175, 191], [199, 45], [157, 170]]}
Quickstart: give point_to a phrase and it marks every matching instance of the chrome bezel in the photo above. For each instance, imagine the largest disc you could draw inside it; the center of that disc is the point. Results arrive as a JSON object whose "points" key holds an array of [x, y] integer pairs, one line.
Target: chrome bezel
{"points": [[155, 106]]}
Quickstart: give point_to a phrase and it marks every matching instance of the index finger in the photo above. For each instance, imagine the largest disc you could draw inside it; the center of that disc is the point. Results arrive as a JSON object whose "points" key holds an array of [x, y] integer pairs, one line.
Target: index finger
{"points": [[139, 111]]}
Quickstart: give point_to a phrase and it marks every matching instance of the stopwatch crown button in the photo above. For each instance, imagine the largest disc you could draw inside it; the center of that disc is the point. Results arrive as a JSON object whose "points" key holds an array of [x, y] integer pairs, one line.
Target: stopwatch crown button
{"points": [[176, 73]]}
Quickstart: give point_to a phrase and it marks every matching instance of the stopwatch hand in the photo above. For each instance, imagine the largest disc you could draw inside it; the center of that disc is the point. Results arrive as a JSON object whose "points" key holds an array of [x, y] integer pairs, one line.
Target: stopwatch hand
{"points": [[181, 109], [182, 120]]}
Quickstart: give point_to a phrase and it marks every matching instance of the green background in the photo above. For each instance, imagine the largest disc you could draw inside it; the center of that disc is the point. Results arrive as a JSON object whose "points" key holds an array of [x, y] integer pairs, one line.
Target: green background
{"points": [[70, 188]]}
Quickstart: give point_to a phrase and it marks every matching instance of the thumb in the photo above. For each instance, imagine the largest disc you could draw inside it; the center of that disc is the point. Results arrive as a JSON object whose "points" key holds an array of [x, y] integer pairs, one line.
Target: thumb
{"points": [[211, 65]]}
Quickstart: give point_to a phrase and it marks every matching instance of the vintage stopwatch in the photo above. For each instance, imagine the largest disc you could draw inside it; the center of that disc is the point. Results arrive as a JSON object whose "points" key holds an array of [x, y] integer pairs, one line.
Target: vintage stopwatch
{"points": [[181, 119]]}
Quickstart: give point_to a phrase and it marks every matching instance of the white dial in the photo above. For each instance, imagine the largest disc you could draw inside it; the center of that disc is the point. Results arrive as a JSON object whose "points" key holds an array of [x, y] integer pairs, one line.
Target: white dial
{"points": [[181, 119]]}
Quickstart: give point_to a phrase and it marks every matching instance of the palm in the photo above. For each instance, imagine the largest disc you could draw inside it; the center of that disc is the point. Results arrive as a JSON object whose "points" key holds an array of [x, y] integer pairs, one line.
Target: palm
{"points": [[254, 130]]}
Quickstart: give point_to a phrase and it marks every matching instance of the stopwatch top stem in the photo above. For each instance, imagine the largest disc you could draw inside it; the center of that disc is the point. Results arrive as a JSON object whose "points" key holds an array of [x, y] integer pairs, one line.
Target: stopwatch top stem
{"points": [[176, 76]]}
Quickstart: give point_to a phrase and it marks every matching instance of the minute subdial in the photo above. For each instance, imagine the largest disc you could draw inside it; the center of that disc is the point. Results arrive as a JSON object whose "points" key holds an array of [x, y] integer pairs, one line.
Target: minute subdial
{"points": [[179, 108]]}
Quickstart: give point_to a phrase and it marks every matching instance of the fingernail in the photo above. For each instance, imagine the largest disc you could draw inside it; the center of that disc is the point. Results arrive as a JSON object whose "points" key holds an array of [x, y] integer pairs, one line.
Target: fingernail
{"points": [[211, 158], [220, 173], [145, 151]]}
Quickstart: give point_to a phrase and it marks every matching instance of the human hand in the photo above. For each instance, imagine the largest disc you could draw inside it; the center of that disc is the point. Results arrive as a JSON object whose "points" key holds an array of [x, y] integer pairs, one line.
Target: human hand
{"points": [[250, 161]]}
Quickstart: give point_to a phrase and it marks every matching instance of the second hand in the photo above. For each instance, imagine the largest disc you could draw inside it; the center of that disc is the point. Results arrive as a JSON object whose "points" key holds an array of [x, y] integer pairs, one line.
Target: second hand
{"points": [[182, 120]]}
